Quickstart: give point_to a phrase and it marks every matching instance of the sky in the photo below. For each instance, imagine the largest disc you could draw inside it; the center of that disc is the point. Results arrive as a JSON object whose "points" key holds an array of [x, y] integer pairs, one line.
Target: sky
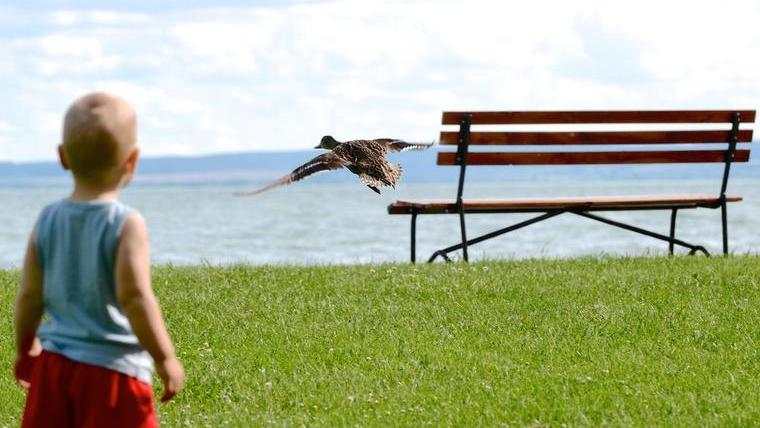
{"points": [[220, 77]]}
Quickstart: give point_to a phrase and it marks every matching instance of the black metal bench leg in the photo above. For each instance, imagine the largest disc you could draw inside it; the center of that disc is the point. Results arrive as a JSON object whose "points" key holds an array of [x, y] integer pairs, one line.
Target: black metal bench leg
{"points": [[672, 230], [440, 253], [464, 237], [724, 219], [413, 251]]}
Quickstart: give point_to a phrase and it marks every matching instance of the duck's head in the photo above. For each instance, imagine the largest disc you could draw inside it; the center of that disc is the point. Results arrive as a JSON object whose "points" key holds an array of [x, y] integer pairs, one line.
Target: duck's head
{"points": [[327, 142]]}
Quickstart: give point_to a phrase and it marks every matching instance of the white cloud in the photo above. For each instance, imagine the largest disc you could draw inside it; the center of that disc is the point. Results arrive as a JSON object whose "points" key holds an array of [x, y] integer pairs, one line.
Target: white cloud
{"points": [[225, 47], [279, 77], [57, 53], [64, 45], [69, 18], [696, 39]]}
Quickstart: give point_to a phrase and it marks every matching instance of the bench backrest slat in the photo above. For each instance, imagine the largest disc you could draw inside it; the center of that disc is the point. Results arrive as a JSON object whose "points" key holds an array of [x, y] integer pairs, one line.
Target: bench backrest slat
{"points": [[592, 158], [599, 138], [615, 116]]}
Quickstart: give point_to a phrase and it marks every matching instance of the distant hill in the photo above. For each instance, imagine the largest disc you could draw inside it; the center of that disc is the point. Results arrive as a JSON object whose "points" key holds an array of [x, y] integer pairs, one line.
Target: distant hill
{"points": [[258, 167]]}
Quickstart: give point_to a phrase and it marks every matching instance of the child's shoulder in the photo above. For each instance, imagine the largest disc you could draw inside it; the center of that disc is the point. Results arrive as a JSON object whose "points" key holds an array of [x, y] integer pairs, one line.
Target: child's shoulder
{"points": [[54, 205], [122, 214], [50, 208]]}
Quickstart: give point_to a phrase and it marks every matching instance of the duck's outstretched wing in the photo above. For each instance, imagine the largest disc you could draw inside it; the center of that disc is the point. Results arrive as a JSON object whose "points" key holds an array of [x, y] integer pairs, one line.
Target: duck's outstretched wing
{"points": [[325, 162], [394, 145]]}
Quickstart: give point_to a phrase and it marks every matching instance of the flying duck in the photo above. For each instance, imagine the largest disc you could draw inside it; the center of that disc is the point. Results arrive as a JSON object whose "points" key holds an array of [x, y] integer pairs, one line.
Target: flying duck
{"points": [[365, 158]]}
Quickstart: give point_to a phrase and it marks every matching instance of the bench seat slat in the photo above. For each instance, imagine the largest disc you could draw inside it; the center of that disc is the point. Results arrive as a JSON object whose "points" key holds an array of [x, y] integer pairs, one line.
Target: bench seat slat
{"points": [[444, 206], [584, 138], [592, 158], [562, 117]]}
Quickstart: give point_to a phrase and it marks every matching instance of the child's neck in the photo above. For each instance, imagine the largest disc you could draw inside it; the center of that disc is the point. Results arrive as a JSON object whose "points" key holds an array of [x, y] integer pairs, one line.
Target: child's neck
{"points": [[84, 192]]}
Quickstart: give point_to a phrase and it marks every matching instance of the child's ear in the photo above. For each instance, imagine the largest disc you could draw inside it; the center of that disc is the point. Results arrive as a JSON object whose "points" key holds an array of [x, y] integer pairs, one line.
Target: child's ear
{"points": [[131, 163], [62, 157]]}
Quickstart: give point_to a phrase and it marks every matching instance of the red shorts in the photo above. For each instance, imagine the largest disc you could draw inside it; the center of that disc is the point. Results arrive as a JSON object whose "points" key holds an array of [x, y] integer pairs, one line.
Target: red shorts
{"points": [[65, 393]]}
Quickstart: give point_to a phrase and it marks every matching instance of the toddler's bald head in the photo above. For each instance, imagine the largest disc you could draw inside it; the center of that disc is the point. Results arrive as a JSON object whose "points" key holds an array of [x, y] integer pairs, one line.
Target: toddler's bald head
{"points": [[99, 133]]}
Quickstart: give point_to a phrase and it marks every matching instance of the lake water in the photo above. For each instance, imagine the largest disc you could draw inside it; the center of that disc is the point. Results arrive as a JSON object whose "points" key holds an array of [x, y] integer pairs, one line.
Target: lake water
{"points": [[310, 223]]}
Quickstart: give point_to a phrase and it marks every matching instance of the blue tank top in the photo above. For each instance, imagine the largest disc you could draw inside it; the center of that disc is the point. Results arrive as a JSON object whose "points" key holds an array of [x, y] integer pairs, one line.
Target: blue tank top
{"points": [[76, 246]]}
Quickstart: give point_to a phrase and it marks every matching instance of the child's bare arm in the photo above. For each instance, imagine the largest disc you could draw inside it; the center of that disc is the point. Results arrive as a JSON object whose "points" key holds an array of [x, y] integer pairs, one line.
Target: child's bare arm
{"points": [[134, 292], [28, 311], [29, 299]]}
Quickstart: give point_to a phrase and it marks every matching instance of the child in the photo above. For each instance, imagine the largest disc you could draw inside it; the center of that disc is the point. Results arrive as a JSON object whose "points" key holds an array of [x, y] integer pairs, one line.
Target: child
{"points": [[87, 269]]}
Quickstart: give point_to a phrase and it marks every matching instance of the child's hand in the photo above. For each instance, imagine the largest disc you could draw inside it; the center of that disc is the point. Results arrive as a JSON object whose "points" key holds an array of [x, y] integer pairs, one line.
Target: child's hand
{"points": [[22, 369], [172, 376]]}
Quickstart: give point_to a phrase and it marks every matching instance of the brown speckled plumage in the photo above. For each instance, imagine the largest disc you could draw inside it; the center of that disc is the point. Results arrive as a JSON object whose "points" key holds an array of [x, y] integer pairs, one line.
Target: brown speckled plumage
{"points": [[365, 158]]}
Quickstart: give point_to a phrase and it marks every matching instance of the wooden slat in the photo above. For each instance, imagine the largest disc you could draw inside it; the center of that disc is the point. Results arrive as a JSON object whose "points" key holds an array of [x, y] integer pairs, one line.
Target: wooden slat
{"points": [[587, 138], [592, 158], [550, 117], [433, 206]]}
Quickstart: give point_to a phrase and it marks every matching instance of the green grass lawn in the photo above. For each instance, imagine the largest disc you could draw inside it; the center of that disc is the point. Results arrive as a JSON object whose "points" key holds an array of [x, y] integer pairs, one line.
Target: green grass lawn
{"points": [[621, 342]]}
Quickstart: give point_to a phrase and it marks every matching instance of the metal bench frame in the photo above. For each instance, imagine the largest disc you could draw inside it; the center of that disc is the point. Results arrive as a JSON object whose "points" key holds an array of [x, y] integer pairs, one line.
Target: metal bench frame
{"points": [[463, 144]]}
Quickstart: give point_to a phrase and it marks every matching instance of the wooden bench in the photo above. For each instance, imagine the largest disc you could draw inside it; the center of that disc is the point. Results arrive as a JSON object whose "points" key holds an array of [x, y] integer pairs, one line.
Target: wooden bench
{"points": [[686, 145]]}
